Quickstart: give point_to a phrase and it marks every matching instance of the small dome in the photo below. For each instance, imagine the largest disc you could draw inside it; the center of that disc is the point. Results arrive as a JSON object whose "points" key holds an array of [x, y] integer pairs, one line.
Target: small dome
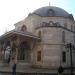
{"points": [[52, 11]]}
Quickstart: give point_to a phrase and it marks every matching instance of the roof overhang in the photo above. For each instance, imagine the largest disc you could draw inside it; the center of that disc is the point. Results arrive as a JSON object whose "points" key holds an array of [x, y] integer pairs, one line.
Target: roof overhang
{"points": [[20, 33]]}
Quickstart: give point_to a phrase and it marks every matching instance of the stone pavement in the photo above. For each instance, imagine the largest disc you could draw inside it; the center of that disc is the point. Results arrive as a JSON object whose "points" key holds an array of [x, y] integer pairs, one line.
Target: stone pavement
{"points": [[24, 69]]}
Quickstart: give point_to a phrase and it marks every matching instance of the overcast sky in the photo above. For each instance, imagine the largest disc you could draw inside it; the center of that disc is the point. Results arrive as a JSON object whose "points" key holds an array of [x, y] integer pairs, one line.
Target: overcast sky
{"points": [[12, 11]]}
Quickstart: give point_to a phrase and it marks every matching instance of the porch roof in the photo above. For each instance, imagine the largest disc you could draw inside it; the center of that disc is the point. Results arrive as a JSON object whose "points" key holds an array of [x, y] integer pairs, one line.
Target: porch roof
{"points": [[21, 33]]}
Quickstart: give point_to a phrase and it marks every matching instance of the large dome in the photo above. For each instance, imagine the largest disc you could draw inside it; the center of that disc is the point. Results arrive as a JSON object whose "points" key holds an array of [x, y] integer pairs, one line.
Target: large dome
{"points": [[52, 11]]}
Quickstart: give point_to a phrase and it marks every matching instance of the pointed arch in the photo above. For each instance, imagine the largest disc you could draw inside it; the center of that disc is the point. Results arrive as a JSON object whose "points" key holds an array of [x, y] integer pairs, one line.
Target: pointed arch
{"points": [[23, 28]]}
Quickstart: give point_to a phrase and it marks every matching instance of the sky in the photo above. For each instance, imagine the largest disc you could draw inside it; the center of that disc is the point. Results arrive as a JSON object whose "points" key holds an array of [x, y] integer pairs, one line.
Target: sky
{"points": [[13, 11]]}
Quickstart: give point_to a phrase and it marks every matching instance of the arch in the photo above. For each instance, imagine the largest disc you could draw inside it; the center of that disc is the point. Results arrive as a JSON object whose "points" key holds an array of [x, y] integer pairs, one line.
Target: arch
{"points": [[24, 52], [23, 28]]}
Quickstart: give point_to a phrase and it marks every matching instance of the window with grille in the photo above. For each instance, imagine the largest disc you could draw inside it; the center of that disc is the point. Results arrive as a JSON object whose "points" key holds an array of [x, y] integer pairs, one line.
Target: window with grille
{"points": [[63, 56], [39, 56]]}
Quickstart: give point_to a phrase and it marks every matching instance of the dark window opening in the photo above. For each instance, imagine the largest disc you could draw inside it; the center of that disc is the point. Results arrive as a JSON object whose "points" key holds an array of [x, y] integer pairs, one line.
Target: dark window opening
{"points": [[39, 34], [64, 56], [39, 56]]}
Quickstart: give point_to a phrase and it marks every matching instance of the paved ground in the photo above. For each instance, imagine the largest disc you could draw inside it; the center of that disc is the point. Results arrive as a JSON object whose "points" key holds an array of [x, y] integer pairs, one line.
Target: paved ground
{"points": [[24, 69]]}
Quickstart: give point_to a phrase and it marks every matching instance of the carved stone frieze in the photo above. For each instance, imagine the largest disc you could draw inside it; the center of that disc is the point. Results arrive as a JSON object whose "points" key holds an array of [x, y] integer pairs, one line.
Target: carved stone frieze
{"points": [[49, 24]]}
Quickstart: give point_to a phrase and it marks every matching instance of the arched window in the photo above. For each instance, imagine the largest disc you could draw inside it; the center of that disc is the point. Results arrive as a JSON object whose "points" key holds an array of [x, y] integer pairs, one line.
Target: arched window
{"points": [[24, 28], [63, 37], [51, 12]]}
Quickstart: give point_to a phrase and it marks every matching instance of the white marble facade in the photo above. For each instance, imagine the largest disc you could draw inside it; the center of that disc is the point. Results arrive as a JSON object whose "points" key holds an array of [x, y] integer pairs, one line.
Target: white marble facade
{"points": [[53, 40]]}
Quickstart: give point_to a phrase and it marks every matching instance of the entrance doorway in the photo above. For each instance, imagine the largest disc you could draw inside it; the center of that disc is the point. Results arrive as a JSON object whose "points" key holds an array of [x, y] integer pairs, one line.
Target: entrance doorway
{"points": [[24, 52]]}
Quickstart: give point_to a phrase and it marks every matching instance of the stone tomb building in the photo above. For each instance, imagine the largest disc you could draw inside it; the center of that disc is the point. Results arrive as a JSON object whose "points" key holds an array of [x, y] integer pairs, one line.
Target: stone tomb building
{"points": [[38, 42]]}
